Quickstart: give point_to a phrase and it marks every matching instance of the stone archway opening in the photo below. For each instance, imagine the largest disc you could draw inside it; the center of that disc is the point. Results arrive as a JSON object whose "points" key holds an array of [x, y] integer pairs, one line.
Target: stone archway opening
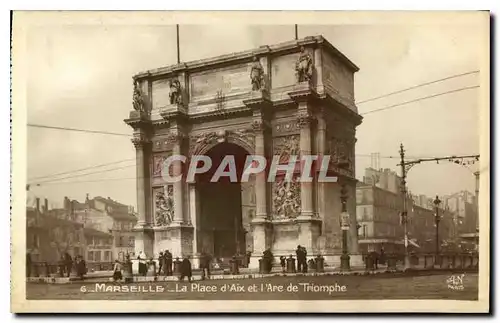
{"points": [[223, 230]]}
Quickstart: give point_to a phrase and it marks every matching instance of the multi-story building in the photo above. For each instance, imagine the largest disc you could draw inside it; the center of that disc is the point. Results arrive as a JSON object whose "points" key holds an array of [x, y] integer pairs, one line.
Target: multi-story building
{"points": [[51, 233], [108, 222], [466, 218], [99, 246], [378, 212], [378, 217]]}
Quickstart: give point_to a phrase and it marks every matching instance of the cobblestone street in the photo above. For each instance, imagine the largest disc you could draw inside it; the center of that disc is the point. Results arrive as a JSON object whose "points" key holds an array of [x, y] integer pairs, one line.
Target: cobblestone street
{"points": [[274, 288]]}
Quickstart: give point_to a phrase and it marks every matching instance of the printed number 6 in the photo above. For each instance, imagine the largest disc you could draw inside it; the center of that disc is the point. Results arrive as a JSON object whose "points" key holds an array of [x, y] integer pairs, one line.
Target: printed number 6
{"points": [[83, 289]]}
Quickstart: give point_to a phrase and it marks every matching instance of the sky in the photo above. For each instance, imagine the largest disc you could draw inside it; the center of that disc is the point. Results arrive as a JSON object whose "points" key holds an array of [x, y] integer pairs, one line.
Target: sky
{"points": [[80, 76]]}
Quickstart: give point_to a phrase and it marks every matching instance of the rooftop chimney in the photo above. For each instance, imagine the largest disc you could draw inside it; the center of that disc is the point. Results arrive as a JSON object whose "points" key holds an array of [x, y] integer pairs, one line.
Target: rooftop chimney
{"points": [[46, 206]]}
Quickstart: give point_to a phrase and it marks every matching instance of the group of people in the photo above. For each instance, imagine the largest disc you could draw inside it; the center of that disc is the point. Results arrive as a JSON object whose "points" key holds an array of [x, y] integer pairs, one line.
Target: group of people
{"points": [[378, 258], [165, 264], [66, 265], [302, 263]]}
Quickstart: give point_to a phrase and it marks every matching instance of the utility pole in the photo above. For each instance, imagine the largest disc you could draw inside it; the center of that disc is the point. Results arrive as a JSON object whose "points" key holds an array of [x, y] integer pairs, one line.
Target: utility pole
{"points": [[178, 45], [476, 175], [437, 219], [404, 213], [296, 32], [344, 226]]}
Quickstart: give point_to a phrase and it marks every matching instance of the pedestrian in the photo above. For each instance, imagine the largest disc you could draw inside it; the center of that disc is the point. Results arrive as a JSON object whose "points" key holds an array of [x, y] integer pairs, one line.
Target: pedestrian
{"points": [[205, 261], [143, 269], [81, 267], [268, 260], [68, 262], [186, 270], [168, 262], [283, 263], [304, 260], [299, 253], [117, 271], [161, 260]]}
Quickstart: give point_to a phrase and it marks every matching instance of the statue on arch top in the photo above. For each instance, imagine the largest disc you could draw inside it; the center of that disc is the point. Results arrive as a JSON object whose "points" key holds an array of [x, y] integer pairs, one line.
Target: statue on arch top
{"points": [[304, 66], [257, 75], [137, 99], [175, 94]]}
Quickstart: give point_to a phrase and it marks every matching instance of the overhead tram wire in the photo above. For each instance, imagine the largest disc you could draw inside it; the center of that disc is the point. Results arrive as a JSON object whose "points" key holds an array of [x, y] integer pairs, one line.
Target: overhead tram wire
{"points": [[37, 183], [419, 99], [416, 86], [80, 169], [80, 130]]}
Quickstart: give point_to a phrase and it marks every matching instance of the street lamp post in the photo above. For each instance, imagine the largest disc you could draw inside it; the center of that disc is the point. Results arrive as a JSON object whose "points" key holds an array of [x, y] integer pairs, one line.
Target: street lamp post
{"points": [[437, 219], [404, 213], [344, 225]]}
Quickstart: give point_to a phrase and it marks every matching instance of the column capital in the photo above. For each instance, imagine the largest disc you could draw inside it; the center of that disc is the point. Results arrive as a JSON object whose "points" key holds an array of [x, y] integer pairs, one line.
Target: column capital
{"points": [[304, 119], [259, 125], [140, 140], [175, 137]]}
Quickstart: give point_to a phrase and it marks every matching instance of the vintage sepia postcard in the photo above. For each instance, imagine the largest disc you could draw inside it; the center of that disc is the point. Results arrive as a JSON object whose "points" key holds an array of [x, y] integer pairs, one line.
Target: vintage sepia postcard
{"points": [[318, 161]]}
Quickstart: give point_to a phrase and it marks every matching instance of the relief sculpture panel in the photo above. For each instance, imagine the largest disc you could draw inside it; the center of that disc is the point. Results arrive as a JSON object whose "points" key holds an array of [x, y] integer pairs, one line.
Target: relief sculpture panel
{"points": [[163, 205], [285, 147], [286, 199]]}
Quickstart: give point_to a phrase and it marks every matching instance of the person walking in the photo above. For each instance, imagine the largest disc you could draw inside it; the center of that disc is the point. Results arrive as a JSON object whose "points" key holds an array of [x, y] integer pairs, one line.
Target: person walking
{"points": [[117, 271], [300, 255], [205, 262], [143, 269], [81, 267], [304, 260], [186, 270], [161, 260], [168, 262], [69, 263]]}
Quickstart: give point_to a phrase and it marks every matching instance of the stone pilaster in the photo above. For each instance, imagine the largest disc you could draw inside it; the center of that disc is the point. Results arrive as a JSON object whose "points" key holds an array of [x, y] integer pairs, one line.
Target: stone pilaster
{"points": [[304, 119], [261, 226], [308, 221], [144, 235]]}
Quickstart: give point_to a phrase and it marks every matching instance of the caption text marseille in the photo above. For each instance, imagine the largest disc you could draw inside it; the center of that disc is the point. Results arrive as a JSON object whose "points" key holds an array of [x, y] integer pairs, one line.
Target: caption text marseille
{"points": [[224, 288]]}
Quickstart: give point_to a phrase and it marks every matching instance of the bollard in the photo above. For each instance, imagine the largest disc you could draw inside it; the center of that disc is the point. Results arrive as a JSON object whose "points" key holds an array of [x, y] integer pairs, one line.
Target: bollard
{"points": [[261, 266], [290, 265], [234, 266], [320, 264]]}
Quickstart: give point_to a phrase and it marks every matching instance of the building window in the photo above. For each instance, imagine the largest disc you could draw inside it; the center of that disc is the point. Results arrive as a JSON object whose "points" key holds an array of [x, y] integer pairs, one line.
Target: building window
{"points": [[131, 241], [107, 256], [97, 256], [90, 256]]}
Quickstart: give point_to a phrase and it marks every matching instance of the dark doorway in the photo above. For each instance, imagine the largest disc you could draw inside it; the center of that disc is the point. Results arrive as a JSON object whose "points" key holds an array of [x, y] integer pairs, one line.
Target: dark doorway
{"points": [[221, 205]]}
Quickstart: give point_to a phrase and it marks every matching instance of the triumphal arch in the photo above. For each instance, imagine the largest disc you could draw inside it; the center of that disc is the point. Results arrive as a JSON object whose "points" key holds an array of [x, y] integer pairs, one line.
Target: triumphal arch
{"points": [[293, 98]]}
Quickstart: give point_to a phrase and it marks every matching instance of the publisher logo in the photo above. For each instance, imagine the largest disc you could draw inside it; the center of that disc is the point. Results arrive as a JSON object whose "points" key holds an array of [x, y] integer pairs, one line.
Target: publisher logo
{"points": [[456, 282]]}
